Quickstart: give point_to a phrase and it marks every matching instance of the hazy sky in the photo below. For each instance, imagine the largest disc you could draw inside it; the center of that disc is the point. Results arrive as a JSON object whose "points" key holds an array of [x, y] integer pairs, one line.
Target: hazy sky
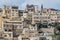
{"points": [[22, 3]]}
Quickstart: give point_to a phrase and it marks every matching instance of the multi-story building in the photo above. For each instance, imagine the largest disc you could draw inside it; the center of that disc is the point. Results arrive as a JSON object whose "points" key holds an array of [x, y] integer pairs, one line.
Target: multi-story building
{"points": [[25, 14], [6, 12], [45, 38], [53, 15], [20, 13], [33, 30], [10, 11], [14, 11], [13, 28], [44, 18], [49, 15], [30, 34], [35, 18], [33, 13], [58, 17]]}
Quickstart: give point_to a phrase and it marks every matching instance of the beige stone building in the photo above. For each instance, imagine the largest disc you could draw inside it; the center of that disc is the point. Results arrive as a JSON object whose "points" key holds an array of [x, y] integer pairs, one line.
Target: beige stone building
{"points": [[10, 11]]}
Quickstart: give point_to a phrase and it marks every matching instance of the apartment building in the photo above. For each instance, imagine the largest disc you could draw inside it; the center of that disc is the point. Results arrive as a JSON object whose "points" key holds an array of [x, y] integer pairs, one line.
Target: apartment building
{"points": [[10, 11], [49, 15], [45, 38], [44, 18], [30, 8], [8, 35], [20, 13], [33, 13], [30, 34], [48, 31], [12, 29], [14, 11], [25, 14], [34, 38], [6, 12], [53, 15], [33, 30], [58, 17], [35, 18]]}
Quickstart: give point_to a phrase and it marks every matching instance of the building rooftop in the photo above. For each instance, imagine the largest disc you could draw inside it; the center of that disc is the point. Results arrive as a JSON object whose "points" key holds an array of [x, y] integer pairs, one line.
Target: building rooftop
{"points": [[14, 7], [29, 6], [21, 11], [53, 9]]}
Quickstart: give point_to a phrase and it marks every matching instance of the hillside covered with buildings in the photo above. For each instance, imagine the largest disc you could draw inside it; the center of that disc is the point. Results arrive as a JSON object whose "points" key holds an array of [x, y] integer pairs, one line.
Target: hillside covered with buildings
{"points": [[31, 23]]}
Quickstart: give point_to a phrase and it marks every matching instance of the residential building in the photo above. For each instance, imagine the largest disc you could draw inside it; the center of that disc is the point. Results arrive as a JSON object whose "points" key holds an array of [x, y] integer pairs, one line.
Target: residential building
{"points": [[45, 38]]}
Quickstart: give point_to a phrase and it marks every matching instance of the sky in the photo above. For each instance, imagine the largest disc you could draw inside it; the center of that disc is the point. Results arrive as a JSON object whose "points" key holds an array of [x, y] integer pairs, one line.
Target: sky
{"points": [[22, 3]]}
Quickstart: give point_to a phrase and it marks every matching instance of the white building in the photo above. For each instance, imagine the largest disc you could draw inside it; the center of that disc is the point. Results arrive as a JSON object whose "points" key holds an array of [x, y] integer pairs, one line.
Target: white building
{"points": [[34, 38]]}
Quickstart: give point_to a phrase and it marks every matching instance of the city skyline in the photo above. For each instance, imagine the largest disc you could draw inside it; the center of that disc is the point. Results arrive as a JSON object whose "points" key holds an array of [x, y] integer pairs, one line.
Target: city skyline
{"points": [[22, 3]]}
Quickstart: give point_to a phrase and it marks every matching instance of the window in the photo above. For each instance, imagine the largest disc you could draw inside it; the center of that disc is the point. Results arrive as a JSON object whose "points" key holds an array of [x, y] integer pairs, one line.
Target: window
{"points": [[0, 35], [20, 26], [10, 35], [16, 10], [5, 35], [12, 10], [8, 11], [36, 17], [5, 29], [3, 25], [5, 11], [12, 14], [52, 20], [9, 29]]}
